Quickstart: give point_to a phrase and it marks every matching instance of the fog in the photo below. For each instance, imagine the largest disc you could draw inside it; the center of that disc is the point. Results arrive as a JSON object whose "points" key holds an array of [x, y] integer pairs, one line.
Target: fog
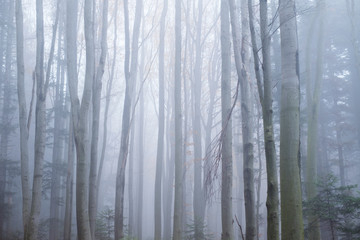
{"points": [[193, 119]]}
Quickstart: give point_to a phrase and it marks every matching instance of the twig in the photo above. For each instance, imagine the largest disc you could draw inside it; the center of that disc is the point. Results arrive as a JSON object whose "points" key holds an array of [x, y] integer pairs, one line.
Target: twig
{"points": [[241, 231]]}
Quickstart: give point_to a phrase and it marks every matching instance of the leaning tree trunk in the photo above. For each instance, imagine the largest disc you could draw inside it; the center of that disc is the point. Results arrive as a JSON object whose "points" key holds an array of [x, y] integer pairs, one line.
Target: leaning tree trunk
{"points": [[290, 184], [226, 135]]}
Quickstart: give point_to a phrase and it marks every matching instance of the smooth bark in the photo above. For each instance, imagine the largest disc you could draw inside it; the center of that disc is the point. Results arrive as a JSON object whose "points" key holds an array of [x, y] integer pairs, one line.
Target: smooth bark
{"points": [[290, 184], [226, 135], [160, 143], [24, 131], [178, 199]]}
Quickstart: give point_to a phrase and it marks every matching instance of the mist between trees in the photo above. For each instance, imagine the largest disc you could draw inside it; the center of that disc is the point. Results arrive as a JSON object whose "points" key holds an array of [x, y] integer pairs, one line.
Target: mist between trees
{"points": [[185, 119]]}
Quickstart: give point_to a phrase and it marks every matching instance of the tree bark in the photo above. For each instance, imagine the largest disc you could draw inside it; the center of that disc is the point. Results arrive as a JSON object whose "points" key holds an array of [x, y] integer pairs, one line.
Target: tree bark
{"points": [[79, 111], [226, 135], [246, 112], [24, 131], [313, 100], [291, 201], [97, 86], [160, 143], [40, 126], [130, 77], [178, 199]]}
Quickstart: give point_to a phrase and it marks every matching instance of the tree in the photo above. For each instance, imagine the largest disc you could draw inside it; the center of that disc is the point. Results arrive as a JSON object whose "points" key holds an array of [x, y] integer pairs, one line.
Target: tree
{"points": [[246, 111], [97, 86], [160, 144], [290, 185], [313, 101], [130, 78], [24, 131], [226, 136], [80, 110], [178, 199]]}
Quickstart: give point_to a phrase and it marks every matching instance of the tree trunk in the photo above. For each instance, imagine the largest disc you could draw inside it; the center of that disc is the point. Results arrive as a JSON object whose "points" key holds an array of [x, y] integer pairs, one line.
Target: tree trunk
{"points": [[97, 86], [246, 112], [178, 199], [40, 126], [58, 141], [160, 144], [140, 187], [313, 99], [226, 136], [69, 184], [107, 102], [198, 196], [130, 77], [79, 111], [24, 131], [290, 183], [272, 200]]}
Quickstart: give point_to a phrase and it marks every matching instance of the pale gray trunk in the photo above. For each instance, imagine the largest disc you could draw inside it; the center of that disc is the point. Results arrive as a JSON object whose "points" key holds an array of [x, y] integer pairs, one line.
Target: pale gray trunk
{"points": [[24, 132], [198, 196], [97, 86], [131, 179], [226, 135], [168, 174], [272, 200], [290, 185], [130, 77], [69, 183], [246, 112], [40, 126], [58, 139], [107, 102], [79, 111], [160, 144], [139, 218], [313, 101], [178, 199]]}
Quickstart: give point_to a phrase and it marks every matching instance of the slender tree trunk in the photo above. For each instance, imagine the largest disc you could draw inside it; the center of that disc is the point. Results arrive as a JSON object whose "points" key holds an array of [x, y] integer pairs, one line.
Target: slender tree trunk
{"points": [[107, 102], [58, 143], [272, 200], [160, 144], [130, 77], [226, 138], [313, 98], [69, 184], [199, 198], [178, 200], [24, 131], [291, 201], [140, 187], [97, 86], [40, 126], [246, 112]]}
